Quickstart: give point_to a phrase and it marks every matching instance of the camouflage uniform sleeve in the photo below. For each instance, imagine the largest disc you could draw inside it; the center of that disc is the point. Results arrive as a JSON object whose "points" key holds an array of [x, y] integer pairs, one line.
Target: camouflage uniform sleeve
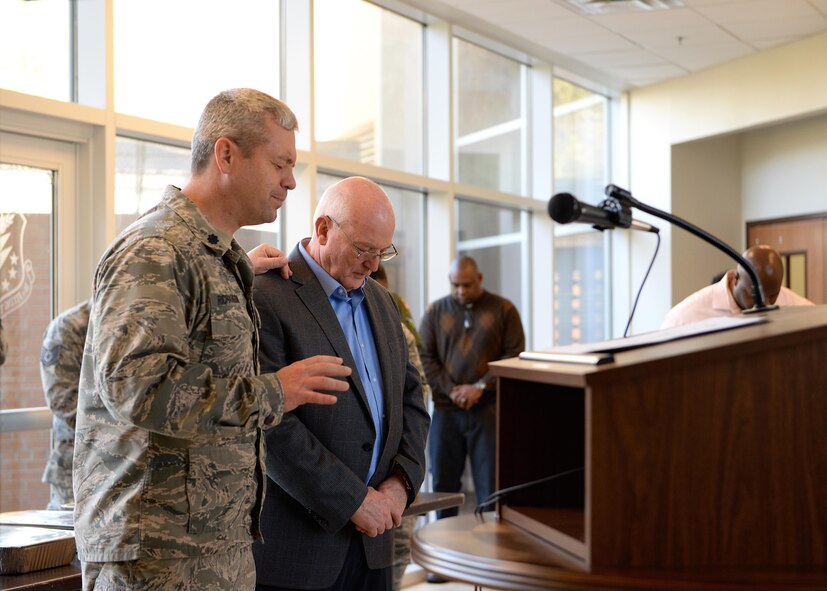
{"points": [[60, 360], [150, 329], [413, 357], [2, 345]]}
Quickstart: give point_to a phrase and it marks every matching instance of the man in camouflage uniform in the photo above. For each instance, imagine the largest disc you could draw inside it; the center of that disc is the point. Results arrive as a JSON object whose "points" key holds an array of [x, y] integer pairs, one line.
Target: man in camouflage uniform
{"points": [[60, 360], [168, 464]]}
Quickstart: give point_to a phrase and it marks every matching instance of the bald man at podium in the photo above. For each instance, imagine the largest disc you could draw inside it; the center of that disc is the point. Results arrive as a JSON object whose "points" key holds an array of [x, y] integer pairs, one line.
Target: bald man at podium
{"points": [[733, 293]]}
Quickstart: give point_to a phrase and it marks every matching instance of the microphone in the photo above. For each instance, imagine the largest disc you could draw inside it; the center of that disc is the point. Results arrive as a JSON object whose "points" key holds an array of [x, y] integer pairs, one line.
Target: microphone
{"points": [[625, 198], [564, 208]]}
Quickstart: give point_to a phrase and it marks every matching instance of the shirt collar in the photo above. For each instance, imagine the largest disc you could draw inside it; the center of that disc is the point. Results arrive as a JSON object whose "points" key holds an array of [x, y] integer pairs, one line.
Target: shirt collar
{"points": [[212, 237], [331, 287]]}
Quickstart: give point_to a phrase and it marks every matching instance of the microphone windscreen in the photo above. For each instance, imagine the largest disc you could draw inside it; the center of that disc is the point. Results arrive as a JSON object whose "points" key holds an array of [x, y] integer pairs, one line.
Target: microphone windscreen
{"points": [[563, 208]]}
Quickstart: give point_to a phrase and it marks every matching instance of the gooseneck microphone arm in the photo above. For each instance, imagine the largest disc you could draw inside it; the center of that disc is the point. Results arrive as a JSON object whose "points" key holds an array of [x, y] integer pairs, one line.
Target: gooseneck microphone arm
{"points": [[626, 198]]}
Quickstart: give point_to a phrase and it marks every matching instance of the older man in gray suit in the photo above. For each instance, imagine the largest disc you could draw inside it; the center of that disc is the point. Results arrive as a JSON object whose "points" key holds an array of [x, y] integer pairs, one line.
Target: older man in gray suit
{"points": [[339, 480]]}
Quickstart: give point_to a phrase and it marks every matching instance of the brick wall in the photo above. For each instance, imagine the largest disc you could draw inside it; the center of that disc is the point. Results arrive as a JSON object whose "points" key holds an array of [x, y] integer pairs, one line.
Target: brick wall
{"points": [[23, 455]]}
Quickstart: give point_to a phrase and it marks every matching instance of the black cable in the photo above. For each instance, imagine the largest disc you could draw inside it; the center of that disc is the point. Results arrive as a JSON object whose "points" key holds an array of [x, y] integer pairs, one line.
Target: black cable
{"points": [[499, 494], [640, 289]]}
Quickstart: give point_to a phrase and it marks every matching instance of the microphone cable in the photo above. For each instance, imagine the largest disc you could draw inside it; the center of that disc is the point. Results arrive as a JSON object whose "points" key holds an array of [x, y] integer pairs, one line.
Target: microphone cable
{"points": [[504, 492], [640, 289]]}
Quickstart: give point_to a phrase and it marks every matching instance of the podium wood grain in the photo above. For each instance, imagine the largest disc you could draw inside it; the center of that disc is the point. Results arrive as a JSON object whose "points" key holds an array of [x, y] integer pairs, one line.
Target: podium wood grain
{"points": [[709, 451]]}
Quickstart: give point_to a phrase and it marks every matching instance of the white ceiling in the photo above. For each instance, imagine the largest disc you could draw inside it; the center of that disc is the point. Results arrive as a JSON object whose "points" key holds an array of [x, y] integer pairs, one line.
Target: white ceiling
{"points": [[635, 47]]}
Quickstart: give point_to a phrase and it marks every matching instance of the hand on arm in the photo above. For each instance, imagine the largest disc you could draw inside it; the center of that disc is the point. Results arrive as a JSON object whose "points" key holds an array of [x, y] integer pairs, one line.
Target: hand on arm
{"points": [[301, 380], [265, 257]]}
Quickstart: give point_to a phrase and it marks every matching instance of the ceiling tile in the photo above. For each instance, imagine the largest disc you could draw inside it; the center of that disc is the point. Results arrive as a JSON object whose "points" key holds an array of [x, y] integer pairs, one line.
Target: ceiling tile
{"points": [[758, 11], [820, 5], [784, 27], [500, 13], [682, 36], [696, 3], [650, 72], [705, 56], [774, 42], [632, 22], [615, 59], [644, 47]]}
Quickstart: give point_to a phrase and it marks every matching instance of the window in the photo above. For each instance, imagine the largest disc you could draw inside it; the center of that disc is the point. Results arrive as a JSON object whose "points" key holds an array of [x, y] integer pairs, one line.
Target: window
{"points": [[143, 170], [496, 237], [26, 290], [404, 271], [490, 124], [580, 253], [168, 67], [368, 84], [35, 48], [579, 288], [579, 141]]}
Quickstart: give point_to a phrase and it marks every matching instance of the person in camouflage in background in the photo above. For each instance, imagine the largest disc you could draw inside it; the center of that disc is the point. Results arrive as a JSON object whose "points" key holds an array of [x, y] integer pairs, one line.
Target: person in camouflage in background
{"points": [[168, 463], [2, 344], [402, 534], [60, 360]]}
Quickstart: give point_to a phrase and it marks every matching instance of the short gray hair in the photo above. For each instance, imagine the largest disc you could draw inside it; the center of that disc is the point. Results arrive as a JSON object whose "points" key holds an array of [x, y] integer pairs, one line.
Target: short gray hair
{"points": [[237, 114]]}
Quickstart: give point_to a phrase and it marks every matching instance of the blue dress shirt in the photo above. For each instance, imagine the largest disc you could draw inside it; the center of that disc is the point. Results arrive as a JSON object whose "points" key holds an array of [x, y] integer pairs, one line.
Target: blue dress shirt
{"points": [[353, 318]]}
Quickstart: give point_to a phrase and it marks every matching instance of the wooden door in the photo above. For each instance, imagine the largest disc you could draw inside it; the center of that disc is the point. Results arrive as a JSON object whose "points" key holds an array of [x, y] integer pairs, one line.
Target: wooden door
{"points": [[793, 236]]}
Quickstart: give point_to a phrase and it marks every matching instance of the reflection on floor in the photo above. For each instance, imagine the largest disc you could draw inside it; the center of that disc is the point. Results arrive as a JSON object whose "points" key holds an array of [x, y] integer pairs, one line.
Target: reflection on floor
{"points": [[440, 587], [415, 576]]}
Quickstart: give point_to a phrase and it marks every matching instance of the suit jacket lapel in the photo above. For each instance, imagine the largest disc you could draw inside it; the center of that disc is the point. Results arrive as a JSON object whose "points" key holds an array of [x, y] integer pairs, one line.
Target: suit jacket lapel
{"points": [[379, 323], [310, 292]]}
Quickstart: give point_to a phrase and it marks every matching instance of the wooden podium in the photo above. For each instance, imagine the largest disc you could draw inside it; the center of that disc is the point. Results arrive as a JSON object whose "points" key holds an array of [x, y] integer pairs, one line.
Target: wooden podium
{"points": [[704, 453]]}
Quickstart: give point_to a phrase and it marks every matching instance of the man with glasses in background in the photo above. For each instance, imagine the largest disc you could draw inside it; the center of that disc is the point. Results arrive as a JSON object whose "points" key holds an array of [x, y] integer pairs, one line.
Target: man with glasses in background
{"points": [[338, 482], [461, 333]]}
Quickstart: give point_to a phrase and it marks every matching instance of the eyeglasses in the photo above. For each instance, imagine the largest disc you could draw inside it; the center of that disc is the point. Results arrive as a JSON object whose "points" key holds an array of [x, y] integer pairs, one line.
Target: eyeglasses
{"points": [[384, 255]]}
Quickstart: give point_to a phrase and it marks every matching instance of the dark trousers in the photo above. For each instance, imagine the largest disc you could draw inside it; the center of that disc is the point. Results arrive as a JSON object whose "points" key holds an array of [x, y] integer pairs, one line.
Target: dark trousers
{"points": [[455, 434], [355, 575]]}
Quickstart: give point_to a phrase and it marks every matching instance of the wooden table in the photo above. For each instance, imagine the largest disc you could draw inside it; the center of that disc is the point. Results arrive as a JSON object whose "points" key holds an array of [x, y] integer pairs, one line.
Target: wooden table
{"points": [[496, 555], [62, 578], [426, 502]]}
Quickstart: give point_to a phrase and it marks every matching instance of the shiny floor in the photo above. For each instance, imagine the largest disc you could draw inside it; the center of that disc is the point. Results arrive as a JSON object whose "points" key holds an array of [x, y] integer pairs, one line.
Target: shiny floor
{"points": [[440, 587]]}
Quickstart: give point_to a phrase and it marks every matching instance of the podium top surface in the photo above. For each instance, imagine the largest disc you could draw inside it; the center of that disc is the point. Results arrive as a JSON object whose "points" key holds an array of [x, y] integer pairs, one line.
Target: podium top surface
{"points": [[783, 327]]}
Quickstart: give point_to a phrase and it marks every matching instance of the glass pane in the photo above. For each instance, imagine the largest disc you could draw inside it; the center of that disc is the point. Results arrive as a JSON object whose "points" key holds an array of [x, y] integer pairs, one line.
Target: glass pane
{"points": [[579, 288], [490, 119], [26, 279], [580, 162], [579, 141], [142, 171], [35, 48], [171, 58], [368, 84], [796, 269], [494, 237], [404, 271]]}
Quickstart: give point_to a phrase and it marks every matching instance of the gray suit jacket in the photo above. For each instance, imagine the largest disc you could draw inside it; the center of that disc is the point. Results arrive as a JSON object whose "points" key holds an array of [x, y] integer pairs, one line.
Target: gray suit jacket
{"points": [[319, 456]]}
